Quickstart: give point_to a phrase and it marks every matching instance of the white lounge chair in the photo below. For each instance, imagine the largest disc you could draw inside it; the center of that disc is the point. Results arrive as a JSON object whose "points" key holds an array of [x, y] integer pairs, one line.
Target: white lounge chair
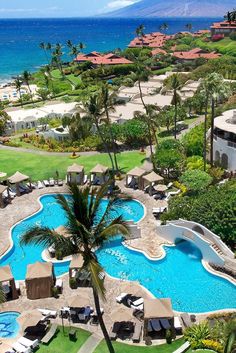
{"points": [[59, 284], [177, 323], [19, 348], [51, 182], [48, 313], [46, 183], [40, 185], [137, 304], [120, 297], [85, 179], [28, 343], [60, 182]]}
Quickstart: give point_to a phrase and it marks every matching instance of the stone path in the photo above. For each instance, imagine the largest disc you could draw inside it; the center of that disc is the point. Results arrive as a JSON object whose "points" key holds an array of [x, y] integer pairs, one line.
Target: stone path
{"points": [[90, 345]]}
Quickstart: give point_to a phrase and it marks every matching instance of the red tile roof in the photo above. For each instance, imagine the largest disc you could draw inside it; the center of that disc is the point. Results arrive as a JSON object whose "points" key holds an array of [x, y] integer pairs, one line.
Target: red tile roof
{"points": [[99, 59], [224, 24], [158, 51], [151, 40], [195, 54]]}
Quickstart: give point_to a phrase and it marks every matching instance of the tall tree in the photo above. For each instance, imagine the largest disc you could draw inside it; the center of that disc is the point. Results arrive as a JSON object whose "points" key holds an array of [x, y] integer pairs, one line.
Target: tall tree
{"points": [[140, 32], [87, 232], [43, 46], [27, 77], [189, 27], [18, 84], [4, 120]]}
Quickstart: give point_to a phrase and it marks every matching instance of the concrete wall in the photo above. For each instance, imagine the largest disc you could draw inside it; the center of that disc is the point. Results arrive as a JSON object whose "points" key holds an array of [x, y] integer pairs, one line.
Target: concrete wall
{"points": [[173, 231], [220, 147]]}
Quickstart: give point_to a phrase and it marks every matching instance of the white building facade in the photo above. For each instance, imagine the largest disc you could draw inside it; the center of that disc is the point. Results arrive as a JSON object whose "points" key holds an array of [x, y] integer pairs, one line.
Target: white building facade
{"points": [[224, 144]]}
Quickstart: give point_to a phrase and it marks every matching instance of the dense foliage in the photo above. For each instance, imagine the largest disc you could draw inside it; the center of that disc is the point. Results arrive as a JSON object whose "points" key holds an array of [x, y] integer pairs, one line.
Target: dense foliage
{"points": [[169, 156], [193, 141], [215, 209], [196, 180]]}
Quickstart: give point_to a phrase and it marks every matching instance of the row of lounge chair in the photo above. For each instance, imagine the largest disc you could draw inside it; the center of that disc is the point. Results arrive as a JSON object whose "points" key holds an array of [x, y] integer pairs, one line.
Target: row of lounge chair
{"points": [[25, 345], [126, 330]]}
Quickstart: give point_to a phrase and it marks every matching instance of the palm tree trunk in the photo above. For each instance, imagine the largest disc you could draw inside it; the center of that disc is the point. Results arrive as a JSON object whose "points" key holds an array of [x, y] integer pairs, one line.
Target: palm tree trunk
{"points": [[175, 117], [101, 322], [205, 133], [149, 132], [212, 128], [113, 143], [105, 145]]}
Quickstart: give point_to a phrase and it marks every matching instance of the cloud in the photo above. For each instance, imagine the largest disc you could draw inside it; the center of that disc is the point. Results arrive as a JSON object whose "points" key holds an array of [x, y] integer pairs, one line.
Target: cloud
{"points": [[117, 4]]}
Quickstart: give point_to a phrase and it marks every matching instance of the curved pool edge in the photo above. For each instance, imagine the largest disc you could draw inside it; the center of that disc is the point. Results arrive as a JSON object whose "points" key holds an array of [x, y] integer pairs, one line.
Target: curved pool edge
{"points": [[6, 339]]}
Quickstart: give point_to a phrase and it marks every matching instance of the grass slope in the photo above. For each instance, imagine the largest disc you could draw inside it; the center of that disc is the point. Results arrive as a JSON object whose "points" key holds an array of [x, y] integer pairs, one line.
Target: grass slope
{"points": [[62, 344], [44, 166], [125, 348]]}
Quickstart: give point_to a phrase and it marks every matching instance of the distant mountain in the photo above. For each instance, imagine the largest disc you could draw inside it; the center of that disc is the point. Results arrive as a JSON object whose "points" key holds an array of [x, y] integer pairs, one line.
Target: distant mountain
{"points": [[175, 8]]}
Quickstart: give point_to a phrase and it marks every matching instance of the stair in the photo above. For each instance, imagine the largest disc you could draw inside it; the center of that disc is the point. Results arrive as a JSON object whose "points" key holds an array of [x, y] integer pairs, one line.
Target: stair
{"points": [[217, 249]]}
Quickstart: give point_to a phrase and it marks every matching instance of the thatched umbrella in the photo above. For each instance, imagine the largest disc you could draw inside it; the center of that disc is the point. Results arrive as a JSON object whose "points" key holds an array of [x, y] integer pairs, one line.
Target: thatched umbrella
{"points": [[79, 301], [122, 314]]}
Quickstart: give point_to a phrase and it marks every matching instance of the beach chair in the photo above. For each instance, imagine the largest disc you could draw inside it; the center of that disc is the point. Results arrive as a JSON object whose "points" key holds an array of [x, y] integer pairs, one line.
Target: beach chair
{"points": [[137, 304], [19, 348], [137, 332], [50, 334], [186, 320], [59, 284], [40, 185], [49, 313], [46, 183], [177, 325], [85, 314], [121, 297], [28, 343], [85, 179], [165, 324], [51, 182], [60, 182]]}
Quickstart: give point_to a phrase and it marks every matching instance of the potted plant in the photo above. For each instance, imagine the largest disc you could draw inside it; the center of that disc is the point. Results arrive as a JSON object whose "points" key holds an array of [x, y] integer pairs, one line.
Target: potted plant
{"points": [[168, 336]]}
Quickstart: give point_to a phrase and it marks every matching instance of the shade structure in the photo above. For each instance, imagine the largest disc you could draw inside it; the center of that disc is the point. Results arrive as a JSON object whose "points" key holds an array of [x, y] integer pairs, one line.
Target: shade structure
{"points": [[63, 231], [122, 314], [29, 319], [39, 280], [99, 169], [17, 178], [158, 308], [135, 175], [76, 263], [152, 177], [7, 276], [79, 301], [3, 188], [75, 174]]}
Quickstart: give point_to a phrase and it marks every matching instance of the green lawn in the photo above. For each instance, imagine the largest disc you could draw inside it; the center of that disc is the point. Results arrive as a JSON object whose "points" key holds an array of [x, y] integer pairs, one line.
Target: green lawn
{"points": [[62, 344], [40, 167], [125, 348], [224, 46]]}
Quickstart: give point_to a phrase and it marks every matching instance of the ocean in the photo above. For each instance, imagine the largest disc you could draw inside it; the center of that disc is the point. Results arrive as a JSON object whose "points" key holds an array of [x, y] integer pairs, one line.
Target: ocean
{"points": [[20, 38]]}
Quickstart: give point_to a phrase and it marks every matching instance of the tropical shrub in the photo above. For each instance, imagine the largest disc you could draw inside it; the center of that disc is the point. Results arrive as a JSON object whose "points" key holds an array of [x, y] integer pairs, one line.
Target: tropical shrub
{"points": [[197, 333], [196, 180], [193, 141], [214, 345], [196, 162]]}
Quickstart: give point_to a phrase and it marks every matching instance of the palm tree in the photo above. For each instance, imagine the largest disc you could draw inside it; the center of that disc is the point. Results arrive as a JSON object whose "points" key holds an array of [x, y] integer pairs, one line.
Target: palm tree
{"points": [[57, 57], [18, 85], [164, 27], [175, 84], [43, 46], [140, 32], [95, 110], [27, 77], [82, 46], [108, 100], [215, 88], [189, 27], [87, 233]]}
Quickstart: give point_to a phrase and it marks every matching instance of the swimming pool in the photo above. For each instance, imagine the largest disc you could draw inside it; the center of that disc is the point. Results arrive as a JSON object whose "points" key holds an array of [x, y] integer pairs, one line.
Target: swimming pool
{"points": [[180, 275], [9, 326], [51, 215]]}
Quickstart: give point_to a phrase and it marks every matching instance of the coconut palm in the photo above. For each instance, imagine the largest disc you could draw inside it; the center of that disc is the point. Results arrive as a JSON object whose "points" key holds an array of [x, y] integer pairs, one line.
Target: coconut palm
{"points": [[57, 57], [189, 27], [27, 77], [108, 100], [18, 84], [82, 46], [215, 89], [94, 109], [43, 46], [88, 231], [140, 32], [175, 84]]}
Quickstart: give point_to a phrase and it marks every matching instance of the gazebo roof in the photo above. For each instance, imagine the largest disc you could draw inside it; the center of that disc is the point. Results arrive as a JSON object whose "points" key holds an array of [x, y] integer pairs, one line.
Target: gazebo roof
{"points": [[158, 308], [5, 274], [75, 168], [137, 172], [39, 270], [122, 314], [77, 261], [17, 178], [152, 177], [3, 188], [100, 169]]}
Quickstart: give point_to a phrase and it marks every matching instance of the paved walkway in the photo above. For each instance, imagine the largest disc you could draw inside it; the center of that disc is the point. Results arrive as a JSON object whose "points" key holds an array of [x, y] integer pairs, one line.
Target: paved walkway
{"points": [[91, 344]]}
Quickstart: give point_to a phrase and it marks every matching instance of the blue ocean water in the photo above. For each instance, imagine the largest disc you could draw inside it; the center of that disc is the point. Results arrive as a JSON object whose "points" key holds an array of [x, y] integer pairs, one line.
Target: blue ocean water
{"points": [[20, 38]]}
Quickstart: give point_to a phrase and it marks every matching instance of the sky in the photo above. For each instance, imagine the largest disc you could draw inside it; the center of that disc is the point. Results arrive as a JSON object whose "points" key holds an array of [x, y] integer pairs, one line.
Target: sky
{"points": [[59, 8]]}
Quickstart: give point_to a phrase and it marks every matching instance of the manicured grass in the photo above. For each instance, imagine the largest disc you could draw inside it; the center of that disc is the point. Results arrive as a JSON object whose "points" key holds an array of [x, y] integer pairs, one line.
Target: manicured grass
{"points": [[125, 348], [223, 46], [40, 167], [62, 344]]}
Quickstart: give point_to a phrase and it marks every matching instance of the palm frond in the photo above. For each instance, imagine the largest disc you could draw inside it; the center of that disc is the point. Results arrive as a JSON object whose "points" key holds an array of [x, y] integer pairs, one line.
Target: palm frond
{"points": [[43, 236], [96, 270]]}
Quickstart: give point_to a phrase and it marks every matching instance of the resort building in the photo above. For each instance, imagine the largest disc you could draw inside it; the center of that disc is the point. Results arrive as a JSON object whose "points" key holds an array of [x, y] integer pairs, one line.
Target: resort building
{"points": [[11, 94], [151, 40], [29, 118], [59, 133], [224, 144], [224, 28], [193, 54], [102, 59]]}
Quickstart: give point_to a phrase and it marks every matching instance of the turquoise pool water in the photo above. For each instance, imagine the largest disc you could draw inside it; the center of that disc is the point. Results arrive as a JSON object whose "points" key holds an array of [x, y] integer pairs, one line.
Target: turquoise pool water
{"points": [[180, 275], [9, 326], [51, 215]]}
